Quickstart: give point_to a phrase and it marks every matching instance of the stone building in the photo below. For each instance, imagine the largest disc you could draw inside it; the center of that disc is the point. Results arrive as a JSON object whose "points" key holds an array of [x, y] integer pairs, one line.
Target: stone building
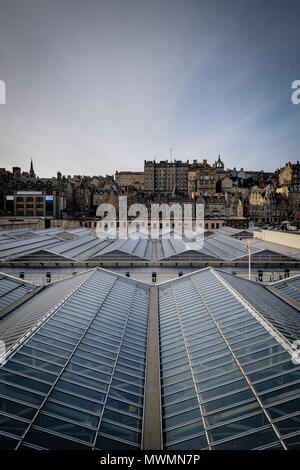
{"points": [[25, 194], [31, 203], [130, 178], [266, 205], [203, 177], [220, 205], [289, 175], [165, 176], [294, 204]]}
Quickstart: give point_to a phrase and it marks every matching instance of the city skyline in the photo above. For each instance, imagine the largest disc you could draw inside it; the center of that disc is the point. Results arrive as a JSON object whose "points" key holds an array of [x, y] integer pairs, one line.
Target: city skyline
{"points": [[103, 86], [26, 169]]}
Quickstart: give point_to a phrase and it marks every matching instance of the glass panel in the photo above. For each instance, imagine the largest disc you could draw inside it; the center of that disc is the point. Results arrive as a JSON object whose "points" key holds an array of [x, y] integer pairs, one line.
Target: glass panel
{"points": [[289, 425], [83, 380], [118, 431], [17, 409], [85, 392], [53, 342], [238, 427], [101, 373], [170, 372], [293, 442], [62, 427], [49, 441], [181, 406], [260, 354], [46, 331], [129, 370], [283, 409], [184, 431], [178, 386], [231, 387], [227, 401], [271, 371], [232, 413], [176, 363], [84, 357], [267, 362], [176, 378], [20, 394], [206, 370], [125, 396], [12, 426], [250, 341], [281, 394], [128, 408], [34, 373], [277, 381], [178, 396], [121, 418], [129, 378], [76, 401], [220, 380], [70, 413], [127, 387], [46, 348], [255, 347], [23, 381], [127, 362], [47, 366], [182, 418], [196, 443], [36, 355], [213, 364], [7, 443], [96, 351], [105, 443], [251, 441]]}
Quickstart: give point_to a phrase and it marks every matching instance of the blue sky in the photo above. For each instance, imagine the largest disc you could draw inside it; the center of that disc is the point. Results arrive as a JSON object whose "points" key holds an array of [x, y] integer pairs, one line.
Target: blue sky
{"points": [[94, 86]]}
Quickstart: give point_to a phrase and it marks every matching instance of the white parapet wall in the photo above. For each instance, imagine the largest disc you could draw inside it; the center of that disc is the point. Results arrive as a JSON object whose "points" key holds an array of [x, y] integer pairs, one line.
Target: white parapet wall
{"points": [[280, 237]]}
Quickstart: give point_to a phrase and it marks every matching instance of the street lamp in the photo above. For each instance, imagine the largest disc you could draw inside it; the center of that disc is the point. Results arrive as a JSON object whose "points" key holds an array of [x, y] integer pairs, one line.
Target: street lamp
{"points": [[248, 247]]}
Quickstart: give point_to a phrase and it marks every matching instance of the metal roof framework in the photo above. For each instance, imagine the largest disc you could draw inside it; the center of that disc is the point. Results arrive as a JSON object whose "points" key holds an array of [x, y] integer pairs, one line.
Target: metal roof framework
{"points": [[12, 289], [288, 289], [76, 379], [87, 246]]}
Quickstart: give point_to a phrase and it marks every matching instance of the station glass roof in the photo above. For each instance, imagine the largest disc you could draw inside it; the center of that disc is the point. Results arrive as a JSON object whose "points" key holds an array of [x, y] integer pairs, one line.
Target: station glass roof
{"points": [[55, 245], [227, 381], [76, 379], [12, 289], [289, 288]]}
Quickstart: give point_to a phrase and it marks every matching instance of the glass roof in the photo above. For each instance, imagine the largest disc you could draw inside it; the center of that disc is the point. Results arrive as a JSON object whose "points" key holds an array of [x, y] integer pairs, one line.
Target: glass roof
{"points": [[290, 288], [217, 246], [12, 289], [131, 248], [225, 378], [283, 317], [84, 244], [14, 248], [81, 247], [23, 317], [77, 381]]}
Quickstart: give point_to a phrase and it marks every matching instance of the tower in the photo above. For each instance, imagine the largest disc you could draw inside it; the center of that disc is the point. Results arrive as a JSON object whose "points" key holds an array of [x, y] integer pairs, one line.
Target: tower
{"points": [[219, 164], [31, 171]]}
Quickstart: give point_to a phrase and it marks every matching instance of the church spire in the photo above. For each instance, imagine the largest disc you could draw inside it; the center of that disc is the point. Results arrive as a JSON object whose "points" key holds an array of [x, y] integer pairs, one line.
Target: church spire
{"points": [[31, 172]]}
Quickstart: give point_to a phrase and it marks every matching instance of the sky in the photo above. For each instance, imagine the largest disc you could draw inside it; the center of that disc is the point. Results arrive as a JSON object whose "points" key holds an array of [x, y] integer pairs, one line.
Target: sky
{"points": [[95, 86]]}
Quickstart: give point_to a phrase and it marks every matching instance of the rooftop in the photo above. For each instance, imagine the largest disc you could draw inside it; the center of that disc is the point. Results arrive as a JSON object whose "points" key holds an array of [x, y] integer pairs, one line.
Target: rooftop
{"points": [[74, 374]]}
